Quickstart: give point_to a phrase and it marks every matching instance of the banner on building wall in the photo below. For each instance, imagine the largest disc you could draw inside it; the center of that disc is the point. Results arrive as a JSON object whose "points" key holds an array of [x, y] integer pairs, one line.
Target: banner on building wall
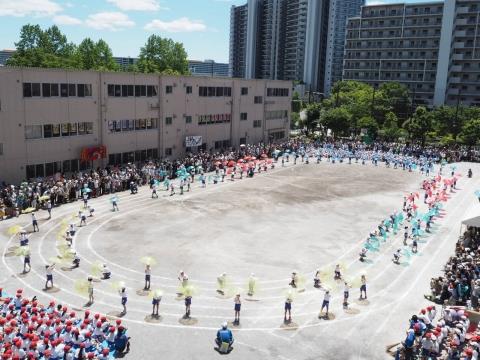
{"points": [[93, 153], [191, 141]]}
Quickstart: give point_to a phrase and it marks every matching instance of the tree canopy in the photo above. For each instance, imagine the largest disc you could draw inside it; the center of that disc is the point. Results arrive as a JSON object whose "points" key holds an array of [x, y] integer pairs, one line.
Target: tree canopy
{"points": [[161, 55], [387, 112], [50, 48]]}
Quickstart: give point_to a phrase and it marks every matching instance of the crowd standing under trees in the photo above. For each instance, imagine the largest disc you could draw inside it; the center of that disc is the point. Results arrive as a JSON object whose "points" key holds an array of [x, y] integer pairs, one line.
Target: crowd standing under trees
{"points": [[387, 113]]}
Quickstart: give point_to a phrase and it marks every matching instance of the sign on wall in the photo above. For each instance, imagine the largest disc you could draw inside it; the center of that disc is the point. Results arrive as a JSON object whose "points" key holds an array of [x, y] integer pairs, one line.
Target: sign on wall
{"points": [[191, 141]]}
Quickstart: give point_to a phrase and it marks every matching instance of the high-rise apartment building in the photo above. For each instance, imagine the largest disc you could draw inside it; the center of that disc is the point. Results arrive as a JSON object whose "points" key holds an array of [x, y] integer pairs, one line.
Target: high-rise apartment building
{"points": [[238, 41], [432, 47], [280, 39], [340, 11]]}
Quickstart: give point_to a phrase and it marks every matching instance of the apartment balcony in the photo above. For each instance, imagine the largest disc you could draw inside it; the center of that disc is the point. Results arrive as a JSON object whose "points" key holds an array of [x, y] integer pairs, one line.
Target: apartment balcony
{"points": [[457, 57], [463, 10], [460, 33], [458, 45], [455, 80], [453, 92], [461, 22], [456, 68]]}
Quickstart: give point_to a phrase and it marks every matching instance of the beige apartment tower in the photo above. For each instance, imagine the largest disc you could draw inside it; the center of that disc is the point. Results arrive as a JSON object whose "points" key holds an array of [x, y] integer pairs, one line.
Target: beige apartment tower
{"points": [[49, 118], [431, 47]]}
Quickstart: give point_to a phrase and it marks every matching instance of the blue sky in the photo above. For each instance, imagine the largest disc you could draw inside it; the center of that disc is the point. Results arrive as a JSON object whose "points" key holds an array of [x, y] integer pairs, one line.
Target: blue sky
{"points": [[202, 25]]}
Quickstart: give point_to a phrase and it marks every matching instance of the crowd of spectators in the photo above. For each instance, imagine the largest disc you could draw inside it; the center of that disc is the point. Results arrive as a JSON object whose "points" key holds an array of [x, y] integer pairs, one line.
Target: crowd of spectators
{"points": [[30, 330], [62, 188], [453, 336]]}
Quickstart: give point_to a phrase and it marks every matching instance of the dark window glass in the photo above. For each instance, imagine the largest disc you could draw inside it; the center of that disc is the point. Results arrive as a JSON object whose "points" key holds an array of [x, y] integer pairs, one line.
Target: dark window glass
{"points": [[168, 89], [124, 90], [219, 91], [111, 159], [211, 91], [138, 91], [155, 153], [138, 155], [118, 90], [130, 90], [149, 90], [39, 170], [72, 90], [244, 91], [49, 171], [83, 165], [188, 89], [154, 90], [149, 153], [74, 165], [64, 90], [35, 89], [143, 89], [57, 167], [143, 155], [47, 131], [46, 90], [80, 90], [111, 90], [227, 91], [30, 171], [66, 166], [53, 89], [27, 90], [118, 158]]}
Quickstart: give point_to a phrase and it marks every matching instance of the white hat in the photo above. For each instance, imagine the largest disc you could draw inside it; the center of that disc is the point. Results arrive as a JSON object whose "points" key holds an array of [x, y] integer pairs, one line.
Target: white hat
{"points": [[224, 325]]}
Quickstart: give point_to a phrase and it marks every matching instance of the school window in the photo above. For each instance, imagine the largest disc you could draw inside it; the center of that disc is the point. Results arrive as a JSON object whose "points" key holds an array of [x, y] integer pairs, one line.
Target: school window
{"points": [[130, 90], [47, 131], [33, 132], [65, 129], [46, 90], [72, 90], [188, 119], [168, 152], [243, 140], [244, 91], [258, 99], [169, 89], [111, 90], [35, 89], [80, 90], [124, 90], [27, 90], [243, 116], [151, 91], [188, 90], [257, 123], [54, 90], [64, 90], [168, 120]]}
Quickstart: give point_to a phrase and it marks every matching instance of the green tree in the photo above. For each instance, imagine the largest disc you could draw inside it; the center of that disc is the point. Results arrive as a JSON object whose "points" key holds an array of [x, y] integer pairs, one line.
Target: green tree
{"points": [[95, 56], [161, 55], [470, 133], [370, 124], [394, 97], [419, 124], [312, 112], [445, 121], [391, 131], [338, 120], [39, 48]]}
